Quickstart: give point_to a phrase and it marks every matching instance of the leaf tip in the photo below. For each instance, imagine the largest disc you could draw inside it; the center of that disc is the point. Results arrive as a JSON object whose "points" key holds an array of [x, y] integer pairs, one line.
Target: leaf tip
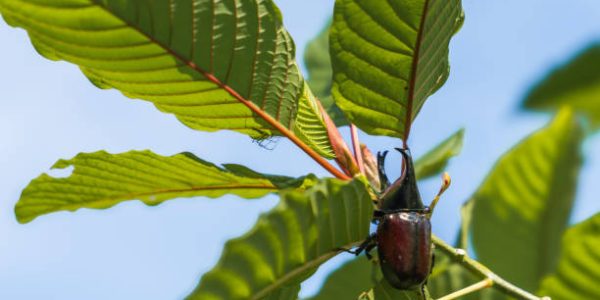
{"points": [[21, 216]]}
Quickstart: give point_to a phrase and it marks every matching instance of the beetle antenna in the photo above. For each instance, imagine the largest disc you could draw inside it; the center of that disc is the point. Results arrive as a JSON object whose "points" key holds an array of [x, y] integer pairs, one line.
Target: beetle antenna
{"points": [[445, 184]]}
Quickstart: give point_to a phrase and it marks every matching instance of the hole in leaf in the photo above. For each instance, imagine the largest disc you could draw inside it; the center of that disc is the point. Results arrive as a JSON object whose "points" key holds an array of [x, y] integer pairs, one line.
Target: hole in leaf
{"points": [[61, 173]]}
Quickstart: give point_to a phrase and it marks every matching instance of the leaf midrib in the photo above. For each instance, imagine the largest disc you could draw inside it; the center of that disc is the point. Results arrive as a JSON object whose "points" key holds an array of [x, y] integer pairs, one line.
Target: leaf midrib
{"points": [[297, 271], [413, 75]]}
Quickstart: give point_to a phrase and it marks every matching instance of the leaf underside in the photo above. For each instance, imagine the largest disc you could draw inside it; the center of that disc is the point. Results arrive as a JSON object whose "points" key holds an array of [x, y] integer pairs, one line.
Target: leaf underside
{"points": [[575, 84], [578, 271], [289, 243], [224, 64], [388, 57], [101, 180], [522, 208]]}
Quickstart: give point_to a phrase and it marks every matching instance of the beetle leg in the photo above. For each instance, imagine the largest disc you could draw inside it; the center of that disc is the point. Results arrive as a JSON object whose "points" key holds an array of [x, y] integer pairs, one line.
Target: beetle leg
{"points": [[385, 182], [368, 250], [367, 244], [445, 184]]}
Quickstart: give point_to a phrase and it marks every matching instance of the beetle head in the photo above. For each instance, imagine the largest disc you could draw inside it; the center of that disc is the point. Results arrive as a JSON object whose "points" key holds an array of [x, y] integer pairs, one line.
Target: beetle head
{"points": [[404, 192]]}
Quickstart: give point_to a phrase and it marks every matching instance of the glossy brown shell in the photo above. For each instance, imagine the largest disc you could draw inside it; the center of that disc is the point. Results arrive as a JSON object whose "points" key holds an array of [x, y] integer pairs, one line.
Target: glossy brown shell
{"points": [[404, 247]]}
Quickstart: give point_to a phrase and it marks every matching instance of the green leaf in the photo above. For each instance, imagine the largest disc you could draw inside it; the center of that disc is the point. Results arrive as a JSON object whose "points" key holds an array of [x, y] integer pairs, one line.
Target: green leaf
{"points": [[213, 64], [522, 208], [318, 64], [434, 161], [578, 271], [100, 180], [289, 243], [349, 280], [388, 57], [576, 84]]}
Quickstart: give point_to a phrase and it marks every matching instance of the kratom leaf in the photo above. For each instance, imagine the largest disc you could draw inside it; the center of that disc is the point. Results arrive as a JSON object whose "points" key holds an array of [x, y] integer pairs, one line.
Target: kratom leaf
{"points": [[575, 84], [434, 161], [522, 208], [578, 271], [101, 180], [215, 65], [318, 64], [289, 243], [388, 57]]}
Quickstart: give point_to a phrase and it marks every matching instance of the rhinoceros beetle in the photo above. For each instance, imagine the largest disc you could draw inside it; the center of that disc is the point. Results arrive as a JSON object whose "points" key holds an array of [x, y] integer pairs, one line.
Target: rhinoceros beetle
{"points": [[403, 235]]}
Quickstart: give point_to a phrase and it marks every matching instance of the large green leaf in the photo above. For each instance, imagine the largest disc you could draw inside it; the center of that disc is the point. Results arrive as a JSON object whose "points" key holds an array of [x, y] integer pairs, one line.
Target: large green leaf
{"points": [[434, 161], [522, 208], [578, 271], [101, 180], [318, 64], [388, 57], [223, 64], [289, 243], [576, 84]]}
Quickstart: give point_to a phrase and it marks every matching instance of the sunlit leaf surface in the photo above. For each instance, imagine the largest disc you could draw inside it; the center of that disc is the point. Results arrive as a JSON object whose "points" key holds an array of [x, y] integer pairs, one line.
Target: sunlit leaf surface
{"points": [[223, 64], [101, 180], [388, 57]]}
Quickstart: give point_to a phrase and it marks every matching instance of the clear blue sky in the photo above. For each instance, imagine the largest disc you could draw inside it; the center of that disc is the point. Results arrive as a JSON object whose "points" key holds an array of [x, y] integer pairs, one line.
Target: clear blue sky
{"points": [[49, 110]]}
